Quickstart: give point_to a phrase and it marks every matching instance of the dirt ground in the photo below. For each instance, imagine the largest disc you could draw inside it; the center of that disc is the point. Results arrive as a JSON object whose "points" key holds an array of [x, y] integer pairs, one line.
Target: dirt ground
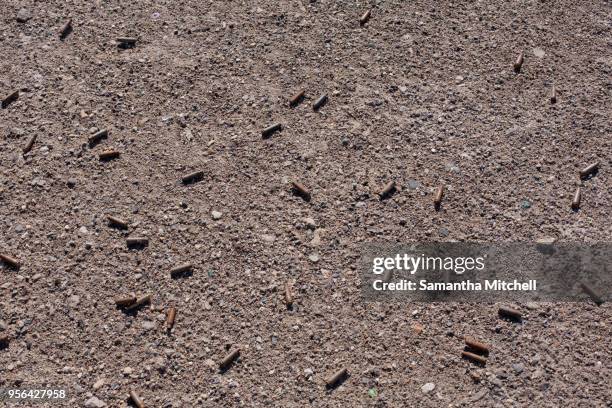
{"points": [[424, 93]]}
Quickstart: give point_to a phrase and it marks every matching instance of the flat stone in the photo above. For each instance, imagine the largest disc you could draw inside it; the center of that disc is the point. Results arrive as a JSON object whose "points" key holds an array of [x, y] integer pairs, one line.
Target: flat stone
{"points": [[427, 388], [23, 15], [94, 402]]}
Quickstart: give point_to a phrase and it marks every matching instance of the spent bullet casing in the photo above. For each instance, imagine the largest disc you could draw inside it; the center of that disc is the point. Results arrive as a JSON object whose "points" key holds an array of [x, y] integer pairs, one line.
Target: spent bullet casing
{"points": [[271, 129], [300, 190], [590, 169], [228, 359], [117, 222], [509, 312], [577, 198], [126, 301], [474, 357], [553, 95], [477, 345], [126, 40], [387, 190], [319, 102], [335, 377], [66, 29], [109, 154], [9, 99], [170, 319], [30, 144], [288, 295], [592, 294], [137, 242], [519, 63], [136, 399], [295, 99], [140, 302], [365, 17], [181, 269], [192, 177], [9, 260], [438, 196], [99, 135]]}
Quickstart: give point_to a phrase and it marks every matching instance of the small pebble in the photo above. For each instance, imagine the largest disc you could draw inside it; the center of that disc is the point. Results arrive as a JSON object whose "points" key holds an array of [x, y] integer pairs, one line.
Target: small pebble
{"points": [[427, 388]]}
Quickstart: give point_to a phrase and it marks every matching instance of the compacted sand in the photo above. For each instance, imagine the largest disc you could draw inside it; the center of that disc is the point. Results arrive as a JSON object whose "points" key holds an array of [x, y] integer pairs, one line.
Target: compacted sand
{"points": [[424, 94]]}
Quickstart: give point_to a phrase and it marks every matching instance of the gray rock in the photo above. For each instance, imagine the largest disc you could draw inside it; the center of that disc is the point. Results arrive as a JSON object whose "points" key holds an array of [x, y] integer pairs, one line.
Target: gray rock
{"points": [[310, 223], [23, 15], [413, 184], [216, 215], [148, 325], [518, 368], [94, 402], [268, 237], [427, 388]]}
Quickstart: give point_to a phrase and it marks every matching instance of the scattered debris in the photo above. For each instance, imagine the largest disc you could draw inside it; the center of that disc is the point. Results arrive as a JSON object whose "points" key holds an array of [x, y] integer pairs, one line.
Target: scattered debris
{"points": [[229, 359], [427, 388], [140, 302], [126, 301], [29, 145], [300, 190], [170, 319], [267, 132], [474, 357], [576, 200], [181, 270], [137, 242], [97, 137], [109, 155], [590, 170], [193, 177], [365, 17], [438, 197], [10, 99], [297, 98], [476, 345], [337, 377], [510, 313], [136, 399], [66, 29], [518, 64], [388, 190], [319, 102], [592, 294], [9, 260], [288, 295], [117, 222], [126, 42]]}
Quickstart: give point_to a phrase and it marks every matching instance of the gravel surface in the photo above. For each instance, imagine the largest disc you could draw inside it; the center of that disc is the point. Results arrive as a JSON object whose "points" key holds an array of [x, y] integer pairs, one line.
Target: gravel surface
{"points": [[423, 94]]}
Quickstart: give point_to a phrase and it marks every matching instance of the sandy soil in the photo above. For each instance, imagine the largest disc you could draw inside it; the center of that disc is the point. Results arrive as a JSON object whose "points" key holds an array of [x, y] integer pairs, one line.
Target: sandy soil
{"points": [[424, 94]]}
